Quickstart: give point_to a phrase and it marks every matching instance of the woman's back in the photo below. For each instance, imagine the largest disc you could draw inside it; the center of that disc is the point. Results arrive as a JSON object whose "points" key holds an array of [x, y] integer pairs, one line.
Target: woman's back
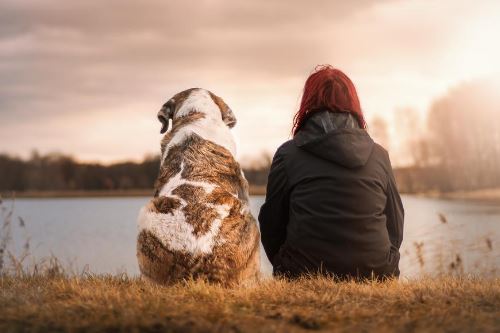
{"points": [[332, 204]]}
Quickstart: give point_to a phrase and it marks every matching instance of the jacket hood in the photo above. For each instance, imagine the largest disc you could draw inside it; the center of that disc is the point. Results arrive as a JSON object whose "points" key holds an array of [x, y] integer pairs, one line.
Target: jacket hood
{"points": [[336, 137]]}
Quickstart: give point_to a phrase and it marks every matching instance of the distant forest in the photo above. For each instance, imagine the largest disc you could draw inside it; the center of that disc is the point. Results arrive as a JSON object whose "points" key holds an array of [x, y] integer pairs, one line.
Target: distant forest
{"points": [[458, 150], [56, 172]]}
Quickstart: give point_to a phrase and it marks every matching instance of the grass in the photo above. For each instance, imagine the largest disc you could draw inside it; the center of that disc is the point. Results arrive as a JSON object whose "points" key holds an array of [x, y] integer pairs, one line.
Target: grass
{"points": [[121, 304]]}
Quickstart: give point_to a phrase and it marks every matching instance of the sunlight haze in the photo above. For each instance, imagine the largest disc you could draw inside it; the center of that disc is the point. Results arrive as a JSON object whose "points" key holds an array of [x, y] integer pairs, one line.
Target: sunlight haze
{"points": [[87, 78]]}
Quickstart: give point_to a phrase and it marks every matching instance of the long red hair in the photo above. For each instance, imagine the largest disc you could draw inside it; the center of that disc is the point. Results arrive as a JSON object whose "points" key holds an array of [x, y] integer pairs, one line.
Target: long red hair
{"points": [[328, 88]]}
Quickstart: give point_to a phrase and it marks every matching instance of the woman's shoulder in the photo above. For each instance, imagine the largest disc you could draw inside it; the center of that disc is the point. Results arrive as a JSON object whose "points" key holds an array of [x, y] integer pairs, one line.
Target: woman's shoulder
{"points": [[379, 150], [381, 155], [286, 149], [285, 146], [282, 154]]}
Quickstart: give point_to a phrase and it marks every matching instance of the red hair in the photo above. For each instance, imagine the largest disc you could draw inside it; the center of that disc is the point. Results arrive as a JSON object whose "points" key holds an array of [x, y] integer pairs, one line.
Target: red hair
{"points": [[328, 88]]}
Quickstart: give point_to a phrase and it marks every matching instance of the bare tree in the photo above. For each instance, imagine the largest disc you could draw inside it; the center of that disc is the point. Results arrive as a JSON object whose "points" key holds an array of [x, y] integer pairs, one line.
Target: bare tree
{"points": [[464, 134], [379, 131], [411, 135]]}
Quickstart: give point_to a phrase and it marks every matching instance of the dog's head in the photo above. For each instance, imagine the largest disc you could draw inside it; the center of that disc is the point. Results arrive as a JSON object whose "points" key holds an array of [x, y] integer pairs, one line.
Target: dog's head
{"points": [[198, 100]]}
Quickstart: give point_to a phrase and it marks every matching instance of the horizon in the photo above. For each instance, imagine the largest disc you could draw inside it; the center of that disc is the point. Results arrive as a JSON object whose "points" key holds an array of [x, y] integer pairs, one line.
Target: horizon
{"points": [[86, 81]]}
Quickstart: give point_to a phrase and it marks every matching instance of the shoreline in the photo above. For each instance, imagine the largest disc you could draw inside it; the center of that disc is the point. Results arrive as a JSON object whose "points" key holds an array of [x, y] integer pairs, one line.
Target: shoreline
{"points": [[491, 195], [254, 190], [487, 195]]}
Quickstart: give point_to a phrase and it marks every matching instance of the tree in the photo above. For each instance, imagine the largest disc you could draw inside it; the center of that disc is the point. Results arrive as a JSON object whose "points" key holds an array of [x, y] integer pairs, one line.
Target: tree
{"points": [[465, 134], [379, 131]]}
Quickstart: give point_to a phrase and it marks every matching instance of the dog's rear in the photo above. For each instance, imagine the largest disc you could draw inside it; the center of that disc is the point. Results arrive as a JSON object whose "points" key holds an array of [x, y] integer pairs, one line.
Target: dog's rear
{"points": [[199, 223]]}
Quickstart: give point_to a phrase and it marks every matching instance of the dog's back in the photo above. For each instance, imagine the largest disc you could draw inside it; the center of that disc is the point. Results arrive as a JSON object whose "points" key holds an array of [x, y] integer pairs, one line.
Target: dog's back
{"points": [[199, 223]]}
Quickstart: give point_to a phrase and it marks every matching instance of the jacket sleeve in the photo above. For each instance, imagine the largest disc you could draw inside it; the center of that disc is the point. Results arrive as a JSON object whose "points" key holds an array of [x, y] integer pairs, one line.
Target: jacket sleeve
{"points": [[273, 216], [394, 211]]}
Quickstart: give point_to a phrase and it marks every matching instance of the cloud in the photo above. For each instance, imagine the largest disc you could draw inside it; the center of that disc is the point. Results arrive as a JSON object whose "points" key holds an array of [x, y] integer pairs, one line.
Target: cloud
{"points": [[102, 64]]}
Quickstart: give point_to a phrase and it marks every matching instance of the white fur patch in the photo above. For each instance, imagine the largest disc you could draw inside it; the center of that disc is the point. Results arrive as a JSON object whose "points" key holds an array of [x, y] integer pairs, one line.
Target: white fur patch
{"points": [[211, 127], [176, 234], [172, 229], [177, 180]]}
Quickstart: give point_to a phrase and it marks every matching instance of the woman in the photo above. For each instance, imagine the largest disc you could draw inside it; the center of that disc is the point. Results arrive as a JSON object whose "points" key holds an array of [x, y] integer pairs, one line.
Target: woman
{"points": [[332, 205]]}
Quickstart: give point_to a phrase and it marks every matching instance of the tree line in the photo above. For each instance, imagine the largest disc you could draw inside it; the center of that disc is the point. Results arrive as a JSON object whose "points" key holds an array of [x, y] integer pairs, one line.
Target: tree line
{"points": [[57, 172]]}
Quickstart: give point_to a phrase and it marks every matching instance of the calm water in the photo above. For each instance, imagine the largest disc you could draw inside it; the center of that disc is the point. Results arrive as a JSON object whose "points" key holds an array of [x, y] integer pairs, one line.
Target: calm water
{"points": [[101, 233]]}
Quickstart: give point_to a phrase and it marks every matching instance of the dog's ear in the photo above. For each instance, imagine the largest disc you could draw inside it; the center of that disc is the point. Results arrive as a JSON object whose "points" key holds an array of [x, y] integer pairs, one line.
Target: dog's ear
{"points": [[228, 117], [226, 112], [165, 114]]}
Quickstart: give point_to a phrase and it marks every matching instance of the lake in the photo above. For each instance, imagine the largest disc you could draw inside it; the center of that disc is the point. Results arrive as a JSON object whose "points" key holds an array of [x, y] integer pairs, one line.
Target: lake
{"points": [[440, 236]]}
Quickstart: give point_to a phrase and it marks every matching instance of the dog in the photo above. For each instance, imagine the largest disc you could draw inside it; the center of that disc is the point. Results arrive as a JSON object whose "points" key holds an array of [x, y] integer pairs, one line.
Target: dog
{"points": [[198, 225]]}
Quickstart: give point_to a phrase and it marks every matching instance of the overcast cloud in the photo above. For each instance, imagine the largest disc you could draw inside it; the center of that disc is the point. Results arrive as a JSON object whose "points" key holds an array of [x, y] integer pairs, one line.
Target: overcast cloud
{"points": [[87, 77]]}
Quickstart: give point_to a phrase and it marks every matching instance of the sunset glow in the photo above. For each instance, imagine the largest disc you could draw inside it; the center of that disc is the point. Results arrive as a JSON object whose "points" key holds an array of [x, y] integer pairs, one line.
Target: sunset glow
{"points": [[85, 79]]}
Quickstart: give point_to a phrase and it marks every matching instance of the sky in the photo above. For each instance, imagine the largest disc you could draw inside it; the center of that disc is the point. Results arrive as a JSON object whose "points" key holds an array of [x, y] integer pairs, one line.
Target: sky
{"points": [[86, 78]]}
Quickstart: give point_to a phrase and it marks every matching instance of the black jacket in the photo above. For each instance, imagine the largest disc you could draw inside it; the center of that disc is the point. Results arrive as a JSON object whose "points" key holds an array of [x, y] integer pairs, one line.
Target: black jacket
{"points": [[332, 204]]}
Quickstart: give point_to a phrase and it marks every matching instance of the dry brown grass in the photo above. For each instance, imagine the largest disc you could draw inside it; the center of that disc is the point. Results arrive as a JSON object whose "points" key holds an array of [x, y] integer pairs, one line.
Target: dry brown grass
{"points": [[114, 304]]}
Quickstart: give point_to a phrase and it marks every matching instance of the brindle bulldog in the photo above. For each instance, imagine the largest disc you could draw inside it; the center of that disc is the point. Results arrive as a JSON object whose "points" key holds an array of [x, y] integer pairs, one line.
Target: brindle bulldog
{"points": [[198, 225]]}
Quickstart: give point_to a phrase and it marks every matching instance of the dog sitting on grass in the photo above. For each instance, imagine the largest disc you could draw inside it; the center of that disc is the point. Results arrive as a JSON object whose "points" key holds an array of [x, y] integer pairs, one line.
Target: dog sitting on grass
{"points": [[198, 225]]}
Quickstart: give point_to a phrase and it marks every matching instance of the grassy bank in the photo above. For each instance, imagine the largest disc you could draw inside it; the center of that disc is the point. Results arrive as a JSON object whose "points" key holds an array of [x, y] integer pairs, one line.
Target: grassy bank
{"points": [[115, 304]]}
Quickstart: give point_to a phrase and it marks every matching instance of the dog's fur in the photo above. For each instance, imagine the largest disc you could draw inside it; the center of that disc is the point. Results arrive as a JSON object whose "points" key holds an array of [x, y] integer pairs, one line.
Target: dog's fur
{"points": [[198, 224]]}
